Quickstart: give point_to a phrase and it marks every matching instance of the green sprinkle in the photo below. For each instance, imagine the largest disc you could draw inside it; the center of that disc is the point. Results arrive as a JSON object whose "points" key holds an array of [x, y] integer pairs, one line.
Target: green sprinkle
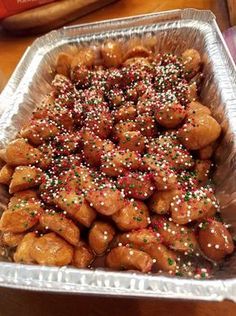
{"points": [[170, 261]]}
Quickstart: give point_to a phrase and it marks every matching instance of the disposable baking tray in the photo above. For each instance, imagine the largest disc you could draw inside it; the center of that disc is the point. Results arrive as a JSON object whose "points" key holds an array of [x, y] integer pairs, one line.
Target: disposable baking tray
{"points": [[175, 31]]}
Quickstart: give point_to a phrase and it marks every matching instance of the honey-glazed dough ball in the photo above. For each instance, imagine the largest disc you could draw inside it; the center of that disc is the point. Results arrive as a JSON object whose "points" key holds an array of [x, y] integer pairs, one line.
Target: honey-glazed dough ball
{"points": [[134, 215], [170, 114], [61, 225], [215, 240], [136, 185], [192, 61], [196, 108], [124, 258], [83, 256], [23, 250], [193, 205], [100, 235], [199, 131], [160, 201], [5, 174], [106, 201], [177, 237], [112, 54], [51, 250]]}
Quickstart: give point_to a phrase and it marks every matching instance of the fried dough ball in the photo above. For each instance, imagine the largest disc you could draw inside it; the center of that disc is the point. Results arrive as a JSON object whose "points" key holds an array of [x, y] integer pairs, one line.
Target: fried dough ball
{"points": [[136, 185], [65, 118], [136, 90], [78, 177], [84, 57], [22, 198], [17, 221], [47, 155], [47, 103], [100, 122], [134, 215], [5, 174], [76, 206], [47, 189], [113, 82], [92, 100], [215, 240], [165, 179], [133, 141], [192, 61], [137, 77], [50, 110], [115, 98], [169, 138], [51, 250], [20, 216], [175, 236], [83, 256], [61, 225], [170, 115], [146, 103], [11, 239], [112, 54], [100, 236], [196, 108], [124, 127], [164, 258], [20, 153], [160, 201], [66, 143], [25, 177], [94, 148], [138, 238], [187, 181], [80, 76], [61, 83], [199, 131], [163, 176], [167, 150], [137, 61], [147, 125], [63, 63], [124, 258], [106, 201], [125, 112], [137, 51], [132, 94], [61, 164], [39, 130], [193, 205], [118, 162], [23, 250]]}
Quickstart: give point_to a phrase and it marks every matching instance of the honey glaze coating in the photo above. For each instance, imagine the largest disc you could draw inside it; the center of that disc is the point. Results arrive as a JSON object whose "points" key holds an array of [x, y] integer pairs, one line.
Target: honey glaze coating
{"points": [[115, 165]]}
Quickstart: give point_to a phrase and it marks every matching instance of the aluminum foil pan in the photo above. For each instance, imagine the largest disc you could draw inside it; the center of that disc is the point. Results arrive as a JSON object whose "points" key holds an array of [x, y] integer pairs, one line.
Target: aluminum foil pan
{"points": [[175, 31]]}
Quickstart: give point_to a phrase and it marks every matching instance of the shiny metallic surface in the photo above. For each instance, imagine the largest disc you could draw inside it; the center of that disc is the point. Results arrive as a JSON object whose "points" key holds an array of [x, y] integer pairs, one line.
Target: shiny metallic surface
{"points": [[175, 31]]}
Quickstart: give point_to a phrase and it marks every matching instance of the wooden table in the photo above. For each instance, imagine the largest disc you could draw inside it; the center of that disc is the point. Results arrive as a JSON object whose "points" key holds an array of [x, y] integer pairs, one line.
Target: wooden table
{"points": [[34, 304]]}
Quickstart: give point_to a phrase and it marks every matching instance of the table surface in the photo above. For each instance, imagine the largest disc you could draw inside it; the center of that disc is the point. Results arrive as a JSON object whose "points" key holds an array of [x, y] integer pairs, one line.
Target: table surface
{"points": [[15, 302]]}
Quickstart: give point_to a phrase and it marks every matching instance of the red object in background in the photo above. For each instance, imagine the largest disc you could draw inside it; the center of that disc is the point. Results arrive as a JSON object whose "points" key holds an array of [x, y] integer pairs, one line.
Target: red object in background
{"points": [[11, 7]]}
